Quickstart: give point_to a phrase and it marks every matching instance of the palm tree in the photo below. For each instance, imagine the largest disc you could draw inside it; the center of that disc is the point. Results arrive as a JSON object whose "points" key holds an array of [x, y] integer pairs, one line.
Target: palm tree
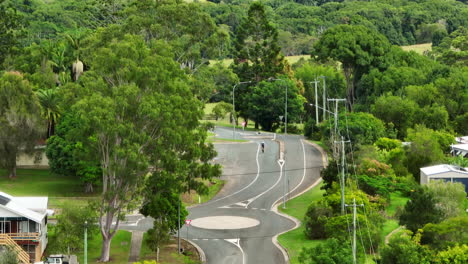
{"points": [[51, 111]]}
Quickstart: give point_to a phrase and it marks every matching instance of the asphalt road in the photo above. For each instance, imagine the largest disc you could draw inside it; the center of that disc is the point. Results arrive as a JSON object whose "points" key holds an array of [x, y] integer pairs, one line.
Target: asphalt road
{"points": [[254, 184]]}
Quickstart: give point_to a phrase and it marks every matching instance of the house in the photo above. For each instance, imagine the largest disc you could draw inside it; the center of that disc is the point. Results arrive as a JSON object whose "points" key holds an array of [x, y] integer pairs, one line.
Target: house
{"points": [[445, 172], [23, 225], [459, 150]]}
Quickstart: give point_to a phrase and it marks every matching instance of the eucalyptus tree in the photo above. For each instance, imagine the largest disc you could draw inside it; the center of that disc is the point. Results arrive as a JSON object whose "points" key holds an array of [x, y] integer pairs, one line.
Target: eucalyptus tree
{"points": [[357, 48], [139, 115], [20, 123]]}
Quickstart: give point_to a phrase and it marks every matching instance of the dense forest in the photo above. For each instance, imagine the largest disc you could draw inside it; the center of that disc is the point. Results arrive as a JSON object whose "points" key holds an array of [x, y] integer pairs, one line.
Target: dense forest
{"points": [[96, 79]]}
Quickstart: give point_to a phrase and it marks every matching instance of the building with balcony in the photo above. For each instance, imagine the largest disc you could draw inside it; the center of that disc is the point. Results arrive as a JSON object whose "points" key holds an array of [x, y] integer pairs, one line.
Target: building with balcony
{"points": [[23, 226]]}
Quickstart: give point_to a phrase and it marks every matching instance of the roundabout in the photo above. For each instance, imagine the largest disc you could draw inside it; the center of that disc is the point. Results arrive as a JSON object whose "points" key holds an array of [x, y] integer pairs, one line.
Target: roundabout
{"points": [[224, 222]]}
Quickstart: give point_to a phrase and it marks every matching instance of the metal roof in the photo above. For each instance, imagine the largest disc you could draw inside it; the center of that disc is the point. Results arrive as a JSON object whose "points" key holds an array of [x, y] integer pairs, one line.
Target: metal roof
{"points": [[19, 207], [442, 168]]}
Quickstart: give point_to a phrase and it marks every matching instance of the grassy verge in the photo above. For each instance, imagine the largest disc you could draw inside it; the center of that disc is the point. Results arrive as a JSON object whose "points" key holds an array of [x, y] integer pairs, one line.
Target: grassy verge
{"points": [[213, 188], [120, 248], [295, 240], [391, 223], [168, 253]]}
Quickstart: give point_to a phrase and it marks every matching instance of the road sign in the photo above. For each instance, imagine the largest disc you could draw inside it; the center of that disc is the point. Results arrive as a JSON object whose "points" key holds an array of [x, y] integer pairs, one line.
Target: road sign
{"points": [[188, 221], [281, 162]]}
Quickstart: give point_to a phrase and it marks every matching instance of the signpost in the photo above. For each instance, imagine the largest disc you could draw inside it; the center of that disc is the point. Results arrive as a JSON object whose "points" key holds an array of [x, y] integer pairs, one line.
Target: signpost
{"points": [[187, 223]]}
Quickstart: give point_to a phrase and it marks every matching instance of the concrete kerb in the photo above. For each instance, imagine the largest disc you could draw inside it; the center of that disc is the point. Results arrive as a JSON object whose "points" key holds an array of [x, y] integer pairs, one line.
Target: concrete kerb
{"points": [[274, 208], [201, 253]]}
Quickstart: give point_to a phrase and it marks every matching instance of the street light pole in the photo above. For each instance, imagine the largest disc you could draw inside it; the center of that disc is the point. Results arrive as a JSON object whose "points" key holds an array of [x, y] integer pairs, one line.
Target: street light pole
{"points": [[86, 243], [234, 108], [178, 226]]}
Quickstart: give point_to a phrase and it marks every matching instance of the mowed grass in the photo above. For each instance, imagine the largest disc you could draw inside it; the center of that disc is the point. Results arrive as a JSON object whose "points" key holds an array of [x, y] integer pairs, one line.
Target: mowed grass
{"points": [[418, 48], [396, 200], [119, 252], [42, 182], [37, 182], [293, 241]]}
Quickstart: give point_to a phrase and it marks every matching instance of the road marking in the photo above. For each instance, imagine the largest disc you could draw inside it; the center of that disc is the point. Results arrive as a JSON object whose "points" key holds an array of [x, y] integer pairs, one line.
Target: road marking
{"points": [[269, 189], [255, 208], [263, 209], [237, 243], [250, 184]]}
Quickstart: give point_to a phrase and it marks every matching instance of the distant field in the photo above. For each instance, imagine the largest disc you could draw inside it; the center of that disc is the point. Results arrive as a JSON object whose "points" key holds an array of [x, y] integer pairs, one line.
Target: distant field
{"points": [[291, 59], [419, 48]]}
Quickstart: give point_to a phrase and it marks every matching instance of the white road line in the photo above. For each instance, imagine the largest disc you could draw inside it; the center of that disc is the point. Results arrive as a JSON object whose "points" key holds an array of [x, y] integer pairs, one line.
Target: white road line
{"points": [[250, 184], [237, 243], [254, 208], [269, 189]]}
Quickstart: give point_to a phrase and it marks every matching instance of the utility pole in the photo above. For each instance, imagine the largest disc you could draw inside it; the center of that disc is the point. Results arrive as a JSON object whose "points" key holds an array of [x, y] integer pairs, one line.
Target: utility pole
{"points": [[316, 101], [342, 180], [354, 205], [324, 96], [335, 114]]}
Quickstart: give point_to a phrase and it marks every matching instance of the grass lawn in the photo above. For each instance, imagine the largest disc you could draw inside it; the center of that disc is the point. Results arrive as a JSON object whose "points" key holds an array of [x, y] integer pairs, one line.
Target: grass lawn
{"points": [[396, 200], [40, 182], [295, 240], [290, 59], [120, 248], [418, 48]]}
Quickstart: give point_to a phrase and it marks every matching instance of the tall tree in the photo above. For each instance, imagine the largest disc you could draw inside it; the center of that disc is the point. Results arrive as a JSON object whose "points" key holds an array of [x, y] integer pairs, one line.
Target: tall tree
{"points": [[257, 55], [20, 124], [139, 115], [420, 210], [267, 103], [10, 24], [358, 49]]}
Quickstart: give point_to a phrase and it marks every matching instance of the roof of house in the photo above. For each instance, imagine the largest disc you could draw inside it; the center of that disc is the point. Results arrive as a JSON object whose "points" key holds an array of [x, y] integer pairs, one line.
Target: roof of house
{"points": [[443, 168], [33, 208], [463, 147]]}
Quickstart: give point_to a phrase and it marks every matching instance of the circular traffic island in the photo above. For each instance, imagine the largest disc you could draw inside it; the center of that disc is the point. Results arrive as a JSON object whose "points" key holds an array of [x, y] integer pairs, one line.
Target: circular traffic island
{"points": [[224, 222]]}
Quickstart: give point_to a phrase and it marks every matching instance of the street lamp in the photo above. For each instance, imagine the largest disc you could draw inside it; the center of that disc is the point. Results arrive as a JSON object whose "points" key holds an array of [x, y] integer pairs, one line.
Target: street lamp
{"points": [[86, 243], [285, 104], [234, 109]]}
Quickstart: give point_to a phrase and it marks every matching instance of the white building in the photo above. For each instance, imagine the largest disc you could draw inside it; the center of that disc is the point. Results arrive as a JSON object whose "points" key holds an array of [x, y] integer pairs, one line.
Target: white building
{"points": [[23, 225], [445, 172]]}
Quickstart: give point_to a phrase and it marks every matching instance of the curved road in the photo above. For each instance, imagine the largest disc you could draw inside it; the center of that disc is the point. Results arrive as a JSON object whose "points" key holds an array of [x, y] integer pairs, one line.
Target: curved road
{"points": [[254, 184]]}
